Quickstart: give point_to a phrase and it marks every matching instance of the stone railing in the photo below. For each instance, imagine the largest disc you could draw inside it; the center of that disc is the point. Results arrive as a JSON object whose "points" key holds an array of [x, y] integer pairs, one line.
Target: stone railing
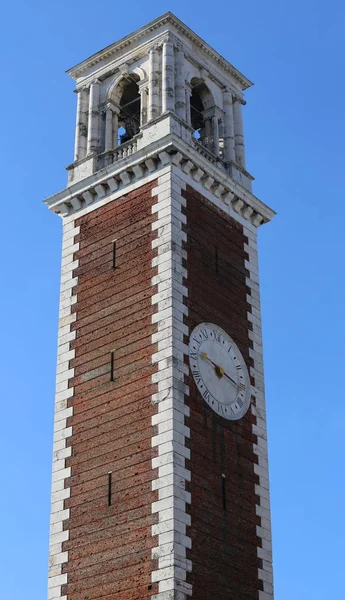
{"points": [[118, 153], [125, 149], [201, 149]]}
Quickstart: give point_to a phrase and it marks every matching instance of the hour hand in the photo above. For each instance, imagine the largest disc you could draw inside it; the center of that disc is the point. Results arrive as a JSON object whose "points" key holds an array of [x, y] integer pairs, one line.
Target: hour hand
{"points": [[205, 357]]}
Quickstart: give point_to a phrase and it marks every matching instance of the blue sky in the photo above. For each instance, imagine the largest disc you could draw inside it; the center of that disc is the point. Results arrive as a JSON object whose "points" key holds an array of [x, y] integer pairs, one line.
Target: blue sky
{"points": [[294, 124]]}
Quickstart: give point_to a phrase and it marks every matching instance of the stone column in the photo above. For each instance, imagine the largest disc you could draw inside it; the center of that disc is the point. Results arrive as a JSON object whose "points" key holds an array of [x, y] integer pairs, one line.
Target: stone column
{"points": [[215, 128], [115, 129], [180, 86], [229, 138], [80, 145], [93, 124], [108, 144], [239, 138], [208, 134], [168, 79], [153, 83]]}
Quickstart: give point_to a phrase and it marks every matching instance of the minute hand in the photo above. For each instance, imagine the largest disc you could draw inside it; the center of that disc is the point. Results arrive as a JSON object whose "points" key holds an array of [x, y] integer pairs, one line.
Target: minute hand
{"points": [[231, 379]]}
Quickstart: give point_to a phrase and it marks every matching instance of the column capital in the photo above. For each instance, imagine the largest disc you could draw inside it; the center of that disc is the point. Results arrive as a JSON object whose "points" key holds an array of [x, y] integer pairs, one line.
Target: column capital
{"points": [[227, 90], [110, 105], [84, 88], [143, 85], [154, 49], [209, 113], [189, 87], [178, 47], [167, 39], [236, 98]]}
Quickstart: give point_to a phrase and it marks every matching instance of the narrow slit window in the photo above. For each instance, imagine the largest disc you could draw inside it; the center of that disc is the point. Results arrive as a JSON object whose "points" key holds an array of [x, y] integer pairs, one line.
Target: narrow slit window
{"points": [[223, 491], [110, 475], [112, 366], [114, 254]]}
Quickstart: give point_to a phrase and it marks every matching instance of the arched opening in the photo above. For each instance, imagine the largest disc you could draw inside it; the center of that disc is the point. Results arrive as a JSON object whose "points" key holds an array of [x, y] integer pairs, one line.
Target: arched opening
{"points": [[202, 115], [129, 103], [196, 111]]}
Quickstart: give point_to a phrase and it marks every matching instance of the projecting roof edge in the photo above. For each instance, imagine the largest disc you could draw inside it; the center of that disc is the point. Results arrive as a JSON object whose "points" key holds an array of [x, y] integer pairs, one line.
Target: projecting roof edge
{"points": [[169, 150], [167, 18]]}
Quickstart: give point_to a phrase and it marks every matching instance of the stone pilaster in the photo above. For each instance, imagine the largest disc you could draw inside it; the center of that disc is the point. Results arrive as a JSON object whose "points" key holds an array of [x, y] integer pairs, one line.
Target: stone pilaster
{"points": [[168, 79], [154, 83], [81, 125], [143, 91], [215, 128], [229, 136], [108, 145], [115, 128], [208, 133], [180, 85], [93, 124], [238, 129]]}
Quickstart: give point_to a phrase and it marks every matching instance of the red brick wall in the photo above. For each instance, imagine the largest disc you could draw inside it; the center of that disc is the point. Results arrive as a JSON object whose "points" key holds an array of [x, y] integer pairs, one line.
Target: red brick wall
{"points": [[224, 541], [110, 546]]}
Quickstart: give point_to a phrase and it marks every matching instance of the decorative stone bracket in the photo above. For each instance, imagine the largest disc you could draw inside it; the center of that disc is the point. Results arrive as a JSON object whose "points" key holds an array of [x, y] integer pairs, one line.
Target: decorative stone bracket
{"points": [[242, 202]]}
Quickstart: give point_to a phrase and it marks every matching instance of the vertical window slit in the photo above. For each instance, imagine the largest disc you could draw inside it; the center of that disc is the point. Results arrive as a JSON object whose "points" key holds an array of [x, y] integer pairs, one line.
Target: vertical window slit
{"points": [[114, 254], [223, 491], [112, 366], [109, 487]]}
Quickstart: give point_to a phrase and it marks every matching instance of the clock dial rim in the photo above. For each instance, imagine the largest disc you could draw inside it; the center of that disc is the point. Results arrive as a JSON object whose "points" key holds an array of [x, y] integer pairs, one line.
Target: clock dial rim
{"points": [[221, 408]]}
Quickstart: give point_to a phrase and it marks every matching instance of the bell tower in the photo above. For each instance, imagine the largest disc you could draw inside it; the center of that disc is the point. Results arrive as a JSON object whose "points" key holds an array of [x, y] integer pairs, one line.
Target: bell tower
{"points": [[160, 475]]}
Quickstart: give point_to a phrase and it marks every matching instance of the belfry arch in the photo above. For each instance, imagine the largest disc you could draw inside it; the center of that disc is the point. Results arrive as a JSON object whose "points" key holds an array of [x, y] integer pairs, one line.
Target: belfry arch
{"points": [[203, 115], [123, 111], [127, 99]]}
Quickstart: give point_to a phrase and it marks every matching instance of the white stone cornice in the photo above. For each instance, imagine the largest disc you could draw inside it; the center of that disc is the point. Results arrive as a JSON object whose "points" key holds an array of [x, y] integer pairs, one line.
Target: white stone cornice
{"points": [[134, 38], [150, 159]]}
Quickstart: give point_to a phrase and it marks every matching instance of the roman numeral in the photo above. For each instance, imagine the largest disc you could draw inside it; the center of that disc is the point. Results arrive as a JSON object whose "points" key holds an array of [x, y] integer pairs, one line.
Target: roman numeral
{"points": [[206, 395], [217, 336], [197, 376], [220, 409]]}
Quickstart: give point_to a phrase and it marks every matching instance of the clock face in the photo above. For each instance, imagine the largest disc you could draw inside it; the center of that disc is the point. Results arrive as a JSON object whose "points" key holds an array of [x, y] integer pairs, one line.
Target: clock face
{"points": [[219, 371]]}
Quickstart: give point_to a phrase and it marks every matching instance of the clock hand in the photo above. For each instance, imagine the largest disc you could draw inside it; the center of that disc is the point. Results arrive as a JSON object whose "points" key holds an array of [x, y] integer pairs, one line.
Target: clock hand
{"points": [[219, 369]]}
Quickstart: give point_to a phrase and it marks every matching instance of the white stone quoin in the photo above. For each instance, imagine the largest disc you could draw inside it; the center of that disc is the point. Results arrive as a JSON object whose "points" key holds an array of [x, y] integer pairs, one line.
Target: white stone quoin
{"points": [[170, 398], [178, 106]]}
